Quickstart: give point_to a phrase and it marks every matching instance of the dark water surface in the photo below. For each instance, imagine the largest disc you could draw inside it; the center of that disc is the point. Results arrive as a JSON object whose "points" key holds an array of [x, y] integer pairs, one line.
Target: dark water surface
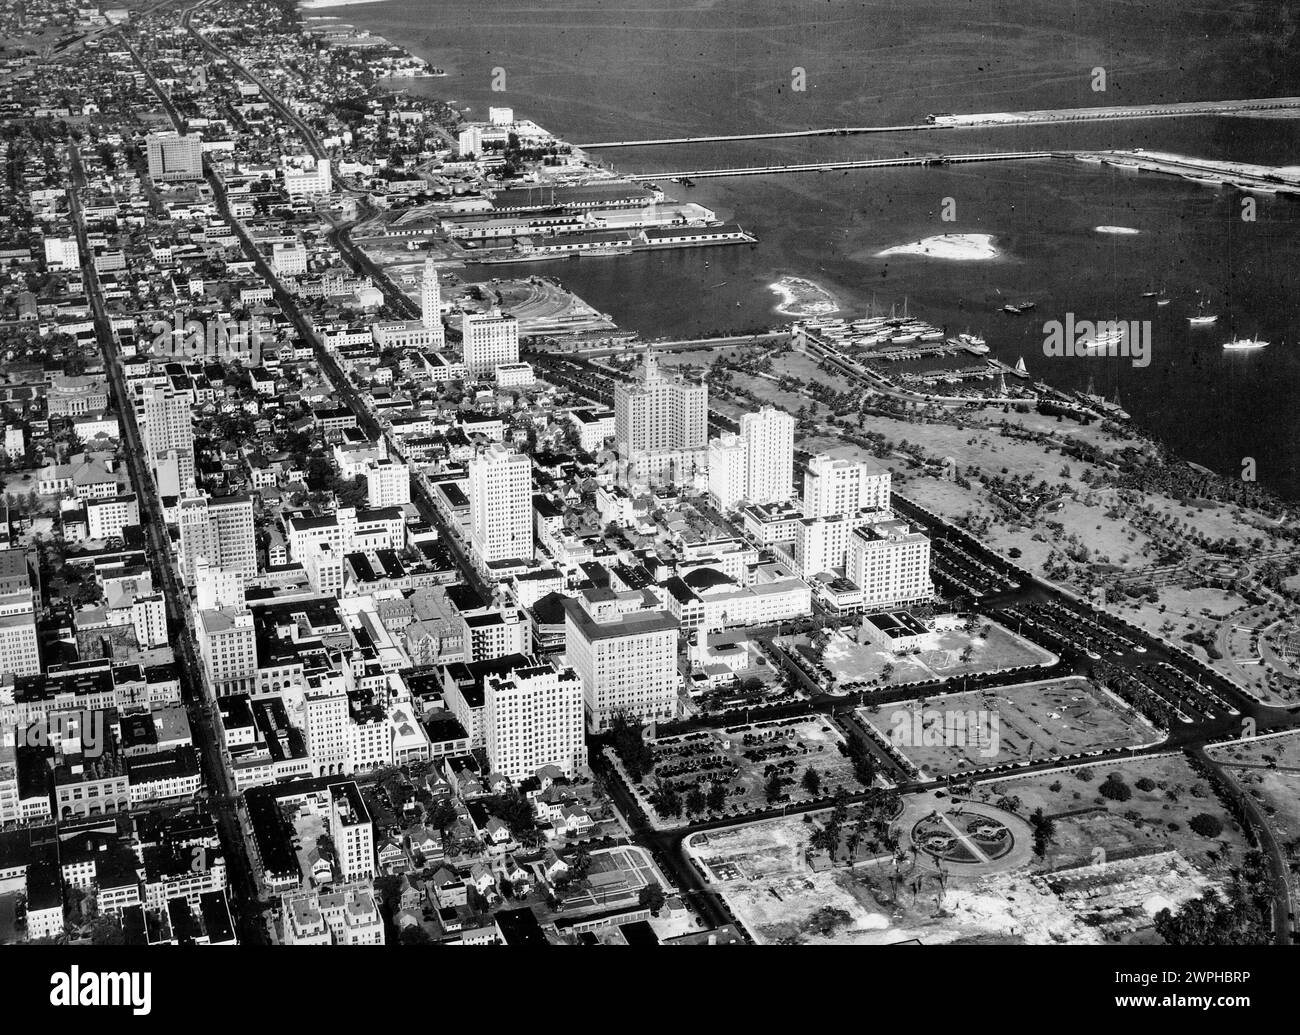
{"points": [[613, 69]]}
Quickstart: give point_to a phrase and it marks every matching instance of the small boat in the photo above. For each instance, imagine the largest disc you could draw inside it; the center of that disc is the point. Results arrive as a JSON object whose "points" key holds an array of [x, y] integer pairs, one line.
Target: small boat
{"points": [[1020, 370], [1244, 344], [1202, 318], [1103, 341]]}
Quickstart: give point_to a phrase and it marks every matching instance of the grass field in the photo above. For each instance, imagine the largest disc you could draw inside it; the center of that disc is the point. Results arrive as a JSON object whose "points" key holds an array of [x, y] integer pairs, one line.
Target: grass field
{"points": [[1150, 820], [852, 662], [1024, 723]]}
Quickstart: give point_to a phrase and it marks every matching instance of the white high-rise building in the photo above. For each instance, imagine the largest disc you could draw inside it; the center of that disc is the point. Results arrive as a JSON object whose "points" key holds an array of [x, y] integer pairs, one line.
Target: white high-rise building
{"points": [[489, 340], [501, 504], [216, 586], [624, 648], [163, 416], [431, 297], [388, 483], [891, 563], [62, 253], [326, 730], [728, 466], [220, 530], [832, 486], [19, 650], [289, 259], [352, 831], [533, 717], [756, 465], [769, 455], [175, 156], [470, 141], [660, 412], [228, 646], [661, 426], [149, 616], [820, 544], [306, 177]]}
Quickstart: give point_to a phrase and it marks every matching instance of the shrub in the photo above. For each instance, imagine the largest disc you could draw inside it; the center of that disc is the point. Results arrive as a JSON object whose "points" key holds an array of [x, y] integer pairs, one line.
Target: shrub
{"points": [[1145, 784], [1114, 788], [1206, 825]]}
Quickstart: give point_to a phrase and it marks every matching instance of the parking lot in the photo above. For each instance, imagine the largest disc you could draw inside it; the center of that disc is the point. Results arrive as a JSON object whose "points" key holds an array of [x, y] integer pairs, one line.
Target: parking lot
{"points": [[956, 569], [1062, 626]]}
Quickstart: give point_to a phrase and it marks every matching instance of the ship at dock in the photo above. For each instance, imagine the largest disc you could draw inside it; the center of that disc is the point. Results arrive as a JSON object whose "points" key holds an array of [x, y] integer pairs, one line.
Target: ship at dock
{"points": [[972, 343]]}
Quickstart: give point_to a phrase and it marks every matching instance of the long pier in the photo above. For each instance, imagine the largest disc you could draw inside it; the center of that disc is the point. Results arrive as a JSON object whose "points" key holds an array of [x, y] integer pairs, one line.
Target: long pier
{"points": [[862, 163], [986, 120]]}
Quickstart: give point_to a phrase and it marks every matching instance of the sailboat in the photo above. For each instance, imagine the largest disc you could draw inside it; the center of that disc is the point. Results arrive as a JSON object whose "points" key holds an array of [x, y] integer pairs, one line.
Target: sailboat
{"points": [[1202, 318], [1020, 369]]}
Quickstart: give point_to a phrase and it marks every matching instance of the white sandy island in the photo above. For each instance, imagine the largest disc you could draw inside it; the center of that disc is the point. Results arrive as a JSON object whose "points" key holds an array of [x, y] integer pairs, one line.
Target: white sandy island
{"points": [[800, 297], [1116, 230], [960, 247]]}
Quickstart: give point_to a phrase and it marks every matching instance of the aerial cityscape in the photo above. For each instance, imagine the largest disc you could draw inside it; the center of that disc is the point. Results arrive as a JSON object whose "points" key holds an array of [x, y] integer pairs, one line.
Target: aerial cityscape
{"points": [[471, 481]]}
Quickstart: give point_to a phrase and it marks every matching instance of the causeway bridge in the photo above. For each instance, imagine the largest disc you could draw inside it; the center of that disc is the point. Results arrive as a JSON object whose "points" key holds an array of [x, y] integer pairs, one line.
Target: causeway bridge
{"points": [[987, 120]]}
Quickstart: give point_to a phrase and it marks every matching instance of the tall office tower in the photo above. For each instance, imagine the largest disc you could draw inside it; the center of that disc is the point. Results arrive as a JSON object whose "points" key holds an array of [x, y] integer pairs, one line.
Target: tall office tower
{"points": [[769, 455], [489, 340], [728, 465], [20, 652], [175, 156], [325, 729], [430, 297], [501, 504], [232, 525], [227, 643], [532, 717], [624, 648], [197, 541], [218, 529], [168, 433], [832, 486], [388, 483], [891, 563], [353, 831], [661, 425]]}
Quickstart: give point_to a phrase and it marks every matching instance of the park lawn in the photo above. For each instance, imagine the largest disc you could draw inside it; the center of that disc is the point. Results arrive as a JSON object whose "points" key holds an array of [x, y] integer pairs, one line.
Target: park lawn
{"points": [[1144, 819], [1035, 721], [852, 662]]}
